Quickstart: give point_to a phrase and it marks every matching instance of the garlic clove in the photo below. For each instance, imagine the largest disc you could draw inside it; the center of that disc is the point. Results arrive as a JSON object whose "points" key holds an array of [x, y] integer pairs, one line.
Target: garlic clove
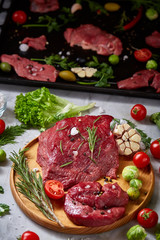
{"points": [[127, 152], [135, 138], [76, 69], [134, 146], [81, 74], [75, 7]]}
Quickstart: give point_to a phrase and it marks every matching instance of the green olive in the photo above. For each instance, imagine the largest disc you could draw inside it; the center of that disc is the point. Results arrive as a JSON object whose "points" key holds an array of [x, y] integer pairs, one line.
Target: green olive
{"points": [[67, 75], [113, 59], [5, 67]]}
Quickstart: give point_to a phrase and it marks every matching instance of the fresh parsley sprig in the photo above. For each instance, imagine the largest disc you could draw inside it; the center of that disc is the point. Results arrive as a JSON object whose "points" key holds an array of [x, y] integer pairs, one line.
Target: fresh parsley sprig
{"points": [[31, 186], [58, 61], [4, 209]]}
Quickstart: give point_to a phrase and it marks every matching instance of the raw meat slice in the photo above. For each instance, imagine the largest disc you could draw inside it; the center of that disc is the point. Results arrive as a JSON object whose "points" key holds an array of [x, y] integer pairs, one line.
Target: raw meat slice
{"points": [[156, 82], [44, 6], [85, 204], [138, 80], [91, 37], [29, 69], [153, 40], [38, 43], [67, 157]]}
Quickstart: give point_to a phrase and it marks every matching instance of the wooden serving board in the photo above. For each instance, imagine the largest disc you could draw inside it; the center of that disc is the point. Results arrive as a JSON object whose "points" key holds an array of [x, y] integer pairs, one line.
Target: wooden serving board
{"points": [[146, 175]]}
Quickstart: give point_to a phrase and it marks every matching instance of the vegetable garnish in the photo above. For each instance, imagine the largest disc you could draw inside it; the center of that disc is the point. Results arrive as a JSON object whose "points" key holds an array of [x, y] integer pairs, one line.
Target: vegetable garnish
{"points": [[142, 55], [19, 17], [144, 137], [29, 235], [141, 159], [11, 132], [136, 233], [155, 118], [57, 60], [42, 109], [54, 189], [104, 72], [155, 148], [2, 126], [2, 155], [147, 218], [31, 186], [55, 24], [151, 64], [135, 20], [138, 112]]}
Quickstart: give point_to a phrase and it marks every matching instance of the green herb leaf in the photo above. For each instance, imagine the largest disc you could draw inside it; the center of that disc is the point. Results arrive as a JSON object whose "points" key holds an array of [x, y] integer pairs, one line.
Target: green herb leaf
{"points": [[31, 186], [155, 118], [4, 209], [11, 132], [66, 164], [1, 189]]}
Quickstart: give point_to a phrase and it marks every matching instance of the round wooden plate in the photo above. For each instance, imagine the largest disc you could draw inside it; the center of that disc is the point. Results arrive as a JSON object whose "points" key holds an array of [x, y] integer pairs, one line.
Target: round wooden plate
{"points": [[146, 175]]}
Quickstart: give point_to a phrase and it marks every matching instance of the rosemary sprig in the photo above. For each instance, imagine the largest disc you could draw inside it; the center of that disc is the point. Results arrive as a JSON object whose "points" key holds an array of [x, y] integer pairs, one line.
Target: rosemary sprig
{"points": [[31, 186], [92, 139], [61, 149], [11, 132], [60, 129], [66, 164]]}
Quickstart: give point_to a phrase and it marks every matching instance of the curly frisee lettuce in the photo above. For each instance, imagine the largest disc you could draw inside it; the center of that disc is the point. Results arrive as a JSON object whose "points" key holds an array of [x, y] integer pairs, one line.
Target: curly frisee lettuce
{"points": [[41, 109]]}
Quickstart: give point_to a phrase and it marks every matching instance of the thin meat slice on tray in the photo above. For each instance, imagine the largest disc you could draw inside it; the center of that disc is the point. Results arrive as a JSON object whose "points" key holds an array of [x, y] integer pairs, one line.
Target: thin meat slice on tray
{"points": [[44, 6], [153, 40], [91, 205], [91, 37], [38, 43], [29, 69], [156, 82], [67, 152], [138, 80]]}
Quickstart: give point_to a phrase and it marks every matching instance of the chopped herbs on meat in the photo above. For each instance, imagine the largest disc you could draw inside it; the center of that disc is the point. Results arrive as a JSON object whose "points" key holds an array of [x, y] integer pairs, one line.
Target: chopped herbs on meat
{"points": [[66, 164]]}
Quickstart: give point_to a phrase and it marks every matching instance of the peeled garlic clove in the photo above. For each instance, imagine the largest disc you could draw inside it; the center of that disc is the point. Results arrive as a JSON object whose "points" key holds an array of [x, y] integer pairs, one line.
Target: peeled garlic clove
{"points": [[76, 69], [75, 7], [131, 132], [121, 148], [127, 152], [126, 126], [81, 74], [90, 71]]}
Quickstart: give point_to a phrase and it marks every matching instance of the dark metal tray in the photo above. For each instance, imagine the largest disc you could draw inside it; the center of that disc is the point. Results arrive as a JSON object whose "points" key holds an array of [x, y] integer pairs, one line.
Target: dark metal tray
{"points": [[11, 35]]}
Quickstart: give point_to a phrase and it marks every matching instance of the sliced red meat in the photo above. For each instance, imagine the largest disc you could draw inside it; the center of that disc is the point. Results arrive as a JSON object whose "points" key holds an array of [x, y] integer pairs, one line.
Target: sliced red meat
{"points": [[156, 82], [29, 69], [138, 80], [81, 204], [153, 40], [44, 6], [91, 37], [58, 146], [38, 43]]}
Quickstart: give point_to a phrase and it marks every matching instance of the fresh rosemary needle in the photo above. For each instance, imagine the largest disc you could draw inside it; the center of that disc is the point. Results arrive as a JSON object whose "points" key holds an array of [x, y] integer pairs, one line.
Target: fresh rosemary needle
{"points": [[31, 186]]}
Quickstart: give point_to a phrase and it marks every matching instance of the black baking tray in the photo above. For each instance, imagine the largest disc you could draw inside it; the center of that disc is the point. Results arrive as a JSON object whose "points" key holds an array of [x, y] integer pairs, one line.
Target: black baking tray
{"points": [[12, 34]]}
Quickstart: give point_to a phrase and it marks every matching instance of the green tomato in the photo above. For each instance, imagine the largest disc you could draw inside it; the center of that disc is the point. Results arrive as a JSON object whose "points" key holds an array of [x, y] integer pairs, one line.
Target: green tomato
{"points": [[130, 172], [136, 183], [151, 64], [151, 14], [5, 67], [2, 155], [136, 233], [113, 59], [133, 193]]}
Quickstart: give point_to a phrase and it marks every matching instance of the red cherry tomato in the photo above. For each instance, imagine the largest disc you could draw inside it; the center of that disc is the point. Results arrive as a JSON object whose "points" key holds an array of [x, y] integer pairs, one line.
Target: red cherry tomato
{"points": [[138, 112], [143, 55], [141, 159], [147, 218], [54, 189], [155, 148], [19, 17], [28, 235], [2, 126]]}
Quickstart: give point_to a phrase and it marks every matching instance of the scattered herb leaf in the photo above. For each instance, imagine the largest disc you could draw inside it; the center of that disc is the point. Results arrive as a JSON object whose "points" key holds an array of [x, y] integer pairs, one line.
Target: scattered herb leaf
{"points": [[4, 209], [1, 189], [66, 164]]}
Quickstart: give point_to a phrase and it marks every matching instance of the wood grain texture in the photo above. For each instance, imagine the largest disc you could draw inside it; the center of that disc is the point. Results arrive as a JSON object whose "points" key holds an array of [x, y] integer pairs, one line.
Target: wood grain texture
{"points": [[146, 175]]}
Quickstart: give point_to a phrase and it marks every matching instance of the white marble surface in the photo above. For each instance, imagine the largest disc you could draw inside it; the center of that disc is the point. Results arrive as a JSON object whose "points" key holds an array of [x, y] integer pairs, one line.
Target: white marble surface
{"points": [[15, 223]]}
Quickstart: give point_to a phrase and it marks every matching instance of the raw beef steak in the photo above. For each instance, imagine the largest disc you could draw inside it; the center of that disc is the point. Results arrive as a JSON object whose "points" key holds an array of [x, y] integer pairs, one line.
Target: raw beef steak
{"points": [[153, 40], [89, 204], [38, 43], [91, 37], [138, 80], [29, 69], [44, 6], [64, 150], [156, 82]]}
